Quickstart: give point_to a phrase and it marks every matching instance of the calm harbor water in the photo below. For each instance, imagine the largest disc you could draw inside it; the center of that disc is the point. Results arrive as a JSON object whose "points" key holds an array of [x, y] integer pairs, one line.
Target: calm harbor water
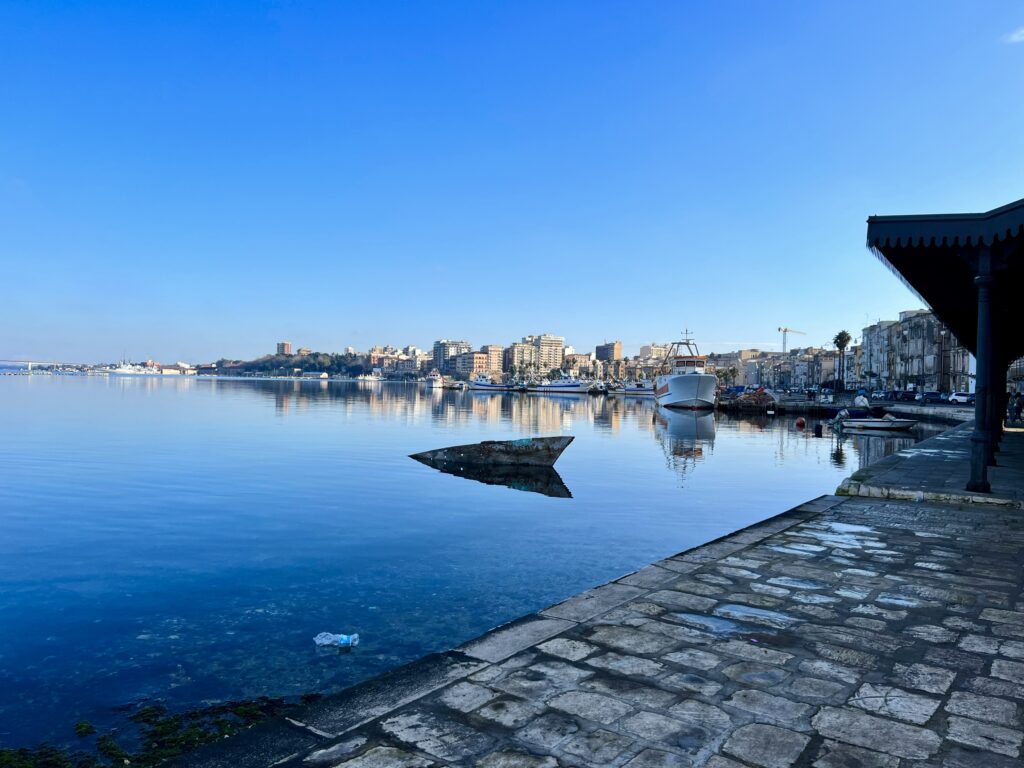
{"points": [[182, 541]]}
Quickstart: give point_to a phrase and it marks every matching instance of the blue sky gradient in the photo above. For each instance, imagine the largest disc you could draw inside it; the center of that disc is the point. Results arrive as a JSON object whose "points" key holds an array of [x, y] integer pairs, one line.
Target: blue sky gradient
{"points": [[196, 180]]}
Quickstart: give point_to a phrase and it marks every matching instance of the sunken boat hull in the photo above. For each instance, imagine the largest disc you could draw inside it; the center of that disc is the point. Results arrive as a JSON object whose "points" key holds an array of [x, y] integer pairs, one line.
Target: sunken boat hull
{"points": [[527, 452]]}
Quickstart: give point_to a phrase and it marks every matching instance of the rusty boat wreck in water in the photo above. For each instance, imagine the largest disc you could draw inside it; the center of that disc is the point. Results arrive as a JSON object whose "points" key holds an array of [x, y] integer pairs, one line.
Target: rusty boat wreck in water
{"points": [[524, 465], [526, 452]]}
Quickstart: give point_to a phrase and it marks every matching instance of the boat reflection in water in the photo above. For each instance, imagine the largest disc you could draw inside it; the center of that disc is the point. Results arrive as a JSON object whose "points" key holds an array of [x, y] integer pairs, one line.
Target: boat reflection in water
{"points": [[684, 435], [543, 480]]}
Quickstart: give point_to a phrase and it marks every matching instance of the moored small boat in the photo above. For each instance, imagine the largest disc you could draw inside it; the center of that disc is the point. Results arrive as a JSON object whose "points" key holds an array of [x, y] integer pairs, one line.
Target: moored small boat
{"points": [[887, 422], [484, 383], [529, 451]]}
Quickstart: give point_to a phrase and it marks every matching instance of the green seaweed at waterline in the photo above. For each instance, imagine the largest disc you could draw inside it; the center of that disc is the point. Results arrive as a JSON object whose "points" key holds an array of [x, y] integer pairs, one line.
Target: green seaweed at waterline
{"points": [[157, 736]]}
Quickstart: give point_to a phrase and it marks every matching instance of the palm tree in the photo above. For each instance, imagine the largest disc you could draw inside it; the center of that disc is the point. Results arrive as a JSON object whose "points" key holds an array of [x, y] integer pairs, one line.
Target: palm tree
{"points": [[842, 341]]}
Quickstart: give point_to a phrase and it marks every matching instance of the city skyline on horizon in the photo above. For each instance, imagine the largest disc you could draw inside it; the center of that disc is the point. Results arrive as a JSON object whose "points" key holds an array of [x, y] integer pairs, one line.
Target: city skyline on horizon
{"points": [[190, 183]]}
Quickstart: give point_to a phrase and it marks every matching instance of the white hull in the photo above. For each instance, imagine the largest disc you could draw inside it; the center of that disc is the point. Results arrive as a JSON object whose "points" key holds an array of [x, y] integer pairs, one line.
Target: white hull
{"points": [[576, 388], [475, 387], [887, 424], [688, 390]]}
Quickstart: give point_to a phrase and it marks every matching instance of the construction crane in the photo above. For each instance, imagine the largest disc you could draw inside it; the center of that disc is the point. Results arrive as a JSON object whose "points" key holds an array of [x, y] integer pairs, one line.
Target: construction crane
{"points": [[785, 335]]}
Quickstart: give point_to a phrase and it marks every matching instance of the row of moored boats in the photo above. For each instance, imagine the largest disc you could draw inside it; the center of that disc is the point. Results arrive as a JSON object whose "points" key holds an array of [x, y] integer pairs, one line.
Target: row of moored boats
{"points": [[681, 382]]}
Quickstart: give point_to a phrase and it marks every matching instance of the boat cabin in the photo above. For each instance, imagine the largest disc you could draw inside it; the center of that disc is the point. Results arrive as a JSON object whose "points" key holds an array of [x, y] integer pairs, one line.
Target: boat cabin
{"points": [[684, 357]]}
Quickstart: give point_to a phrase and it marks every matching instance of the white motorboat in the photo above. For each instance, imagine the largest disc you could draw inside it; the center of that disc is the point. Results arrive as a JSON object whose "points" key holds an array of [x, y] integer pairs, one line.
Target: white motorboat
{"points": [[563, 385], [684, 382], [435, 379], [887, 422], [484, 383], [641, 388]]}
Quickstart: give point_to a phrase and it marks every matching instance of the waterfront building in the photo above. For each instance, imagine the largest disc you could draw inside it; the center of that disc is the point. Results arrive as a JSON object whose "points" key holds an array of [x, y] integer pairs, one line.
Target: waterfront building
{"points": [[304, 351], [468, 364], [610, 350], [578, 364], [445, 351], [550, 350], [284, 347], [654, 351], [495, 357], [521, 356]]}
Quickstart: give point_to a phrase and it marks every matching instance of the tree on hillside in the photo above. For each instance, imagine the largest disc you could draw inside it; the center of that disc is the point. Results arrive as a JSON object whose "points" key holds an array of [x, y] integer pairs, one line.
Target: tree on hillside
{"points": [[842, 341]]}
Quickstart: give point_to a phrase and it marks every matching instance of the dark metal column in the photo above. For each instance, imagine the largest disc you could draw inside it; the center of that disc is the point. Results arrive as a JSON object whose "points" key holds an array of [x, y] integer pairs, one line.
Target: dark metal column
{"points": [[980, 448]]}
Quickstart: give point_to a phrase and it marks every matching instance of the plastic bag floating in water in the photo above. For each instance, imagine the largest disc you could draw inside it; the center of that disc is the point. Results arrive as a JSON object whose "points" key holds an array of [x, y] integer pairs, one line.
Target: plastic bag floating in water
{"points": [[336, 641]]}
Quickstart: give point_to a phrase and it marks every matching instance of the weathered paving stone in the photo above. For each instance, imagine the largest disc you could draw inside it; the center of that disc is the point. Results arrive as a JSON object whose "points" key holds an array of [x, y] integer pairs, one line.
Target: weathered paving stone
{"points": [[853, 636], [768, 589], [681, 600], [980, 644], [631, 640], [627, 665], [651, 576], [1008, 670], [693, 657], [512, 759], [591, 603], [693, 711], [1014, 649], [864, 730], [846, 656], [654, 758], [774, 619], [993, 710], [823, 668], [923, 677], [332, 753], [465, 697], [386, 757], [766, 706], [542, 679], [571, 650], [509, 640], [865, 623], [992, 738], [968, 757], [597, 747], [931, 633], [753, 652], [766, 745], [698, 588], [511, 713], [989, 686], [1002, 617], [813, 688], [689, 682], [755, 673], [950, 657], [894, 702], [835, 754], [651, 726], [444, 738], [590, 706], [717, 761], [548, 730], [630, 691]]}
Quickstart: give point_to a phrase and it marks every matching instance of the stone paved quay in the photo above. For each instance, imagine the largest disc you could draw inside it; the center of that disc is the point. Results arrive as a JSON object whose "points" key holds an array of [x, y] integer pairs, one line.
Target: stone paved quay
{"points": [[850, 632]]}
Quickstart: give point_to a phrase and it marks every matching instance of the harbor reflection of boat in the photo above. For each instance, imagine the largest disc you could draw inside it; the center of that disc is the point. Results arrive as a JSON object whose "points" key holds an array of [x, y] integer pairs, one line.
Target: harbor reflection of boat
{"points": [[533, 479], [685, 433]]}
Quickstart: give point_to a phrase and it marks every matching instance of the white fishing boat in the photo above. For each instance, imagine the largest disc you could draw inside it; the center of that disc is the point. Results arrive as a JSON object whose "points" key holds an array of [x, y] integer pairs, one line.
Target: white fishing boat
{"points": [[684, 382], [482, 382], [640, 388], [563, 385], [434, 379], [887, 422]]}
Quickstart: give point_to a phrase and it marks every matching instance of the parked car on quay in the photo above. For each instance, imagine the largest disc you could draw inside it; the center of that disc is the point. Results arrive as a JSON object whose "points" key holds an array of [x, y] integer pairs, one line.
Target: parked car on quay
{"points": [[962, 398], [930, 398]]}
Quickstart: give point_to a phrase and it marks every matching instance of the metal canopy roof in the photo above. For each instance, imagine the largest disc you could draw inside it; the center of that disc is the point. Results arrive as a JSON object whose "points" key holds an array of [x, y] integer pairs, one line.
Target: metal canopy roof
{"points": [[937, 256]]}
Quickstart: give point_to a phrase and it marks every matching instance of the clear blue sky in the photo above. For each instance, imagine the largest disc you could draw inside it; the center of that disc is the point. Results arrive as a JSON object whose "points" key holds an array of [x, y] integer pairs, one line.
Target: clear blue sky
{"points": [[195, 180]]}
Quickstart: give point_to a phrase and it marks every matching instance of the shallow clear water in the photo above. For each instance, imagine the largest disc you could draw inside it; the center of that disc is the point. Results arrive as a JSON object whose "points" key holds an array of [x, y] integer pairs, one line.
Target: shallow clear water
{"points": [[184, 540]]}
